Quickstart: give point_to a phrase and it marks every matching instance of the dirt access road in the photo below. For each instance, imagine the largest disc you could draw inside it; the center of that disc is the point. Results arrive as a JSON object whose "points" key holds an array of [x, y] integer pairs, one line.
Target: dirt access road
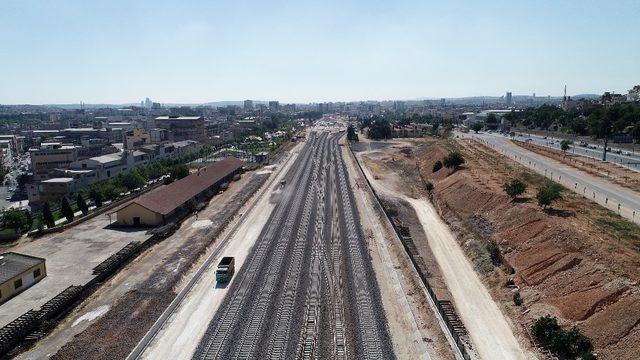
{"points": [[488, 328], [416, 331]]}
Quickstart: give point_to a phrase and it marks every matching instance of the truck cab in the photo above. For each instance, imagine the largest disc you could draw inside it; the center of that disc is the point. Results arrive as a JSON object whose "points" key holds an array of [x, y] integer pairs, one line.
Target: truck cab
{"points": [[225, 270]]}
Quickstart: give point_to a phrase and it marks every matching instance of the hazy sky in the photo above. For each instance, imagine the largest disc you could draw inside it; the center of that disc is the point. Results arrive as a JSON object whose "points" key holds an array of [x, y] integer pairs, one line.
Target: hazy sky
{"points": [[298, 51]]}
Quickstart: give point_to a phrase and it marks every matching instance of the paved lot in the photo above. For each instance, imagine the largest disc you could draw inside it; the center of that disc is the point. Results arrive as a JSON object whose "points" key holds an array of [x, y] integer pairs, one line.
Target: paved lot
{"points": [[70, 257]]}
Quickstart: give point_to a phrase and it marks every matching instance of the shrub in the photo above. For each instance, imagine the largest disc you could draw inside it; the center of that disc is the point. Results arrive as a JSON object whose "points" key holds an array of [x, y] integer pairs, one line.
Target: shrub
{"points": [[437, 166], [544, 328], [548, 193], [517, 299], [453, 160], [568, 344], [515, 188], [494, 252], [429, 186]]}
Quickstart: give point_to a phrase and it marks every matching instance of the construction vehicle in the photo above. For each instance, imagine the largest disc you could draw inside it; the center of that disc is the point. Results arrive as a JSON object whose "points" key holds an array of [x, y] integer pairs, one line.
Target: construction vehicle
{"points": [[225, 270]]}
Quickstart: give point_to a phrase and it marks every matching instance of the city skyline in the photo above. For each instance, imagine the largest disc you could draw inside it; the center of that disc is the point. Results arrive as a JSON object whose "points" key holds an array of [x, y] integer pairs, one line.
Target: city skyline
{"points": [[301, 53]]}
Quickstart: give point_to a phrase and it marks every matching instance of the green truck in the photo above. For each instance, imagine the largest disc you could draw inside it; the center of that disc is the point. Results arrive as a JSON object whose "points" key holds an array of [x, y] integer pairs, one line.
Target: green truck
{"points": [[225, 270]]}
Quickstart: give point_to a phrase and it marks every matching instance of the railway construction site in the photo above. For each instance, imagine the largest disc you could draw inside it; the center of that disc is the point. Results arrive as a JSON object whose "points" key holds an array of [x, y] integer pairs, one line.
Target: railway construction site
{"points": [[340, 252]]}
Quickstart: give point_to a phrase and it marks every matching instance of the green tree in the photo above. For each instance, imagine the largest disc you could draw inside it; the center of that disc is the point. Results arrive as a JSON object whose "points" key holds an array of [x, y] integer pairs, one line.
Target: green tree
{"points": [[47, 216], [379, 128], [453, 160], [96, 196], [544, 328], [82, 204], [437, 166], [515, 188], [65, 209], [548, 193], [29, 216], [14, 219], [476, 126], [565, 145], [131, 180], [39, 223], [23, 179], [351, 133], [179, 171]]}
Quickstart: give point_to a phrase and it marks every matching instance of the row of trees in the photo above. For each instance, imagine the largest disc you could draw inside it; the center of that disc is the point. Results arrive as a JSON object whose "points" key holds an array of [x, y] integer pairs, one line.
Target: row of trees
{"points": [[598, 122], [379, 127]]}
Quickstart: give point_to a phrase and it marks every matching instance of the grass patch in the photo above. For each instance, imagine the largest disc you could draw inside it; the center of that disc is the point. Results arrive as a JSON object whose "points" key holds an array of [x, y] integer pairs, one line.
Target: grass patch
{"points": [[532, 178], [621, 228]]}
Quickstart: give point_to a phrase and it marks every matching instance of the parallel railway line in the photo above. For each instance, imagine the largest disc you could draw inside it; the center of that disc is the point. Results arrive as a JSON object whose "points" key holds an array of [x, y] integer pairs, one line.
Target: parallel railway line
{"points": [[307, 289]]}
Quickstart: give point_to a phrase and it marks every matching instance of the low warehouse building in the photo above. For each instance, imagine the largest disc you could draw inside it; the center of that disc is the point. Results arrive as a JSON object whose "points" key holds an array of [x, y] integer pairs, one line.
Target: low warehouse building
{"points": [[18, 272], [161, 205]]}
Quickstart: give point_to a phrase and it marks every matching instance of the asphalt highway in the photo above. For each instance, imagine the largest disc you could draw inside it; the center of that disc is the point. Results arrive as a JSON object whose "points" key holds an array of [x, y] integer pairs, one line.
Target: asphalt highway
{"points": [[599, 190], [625, 158], [307, 288]]}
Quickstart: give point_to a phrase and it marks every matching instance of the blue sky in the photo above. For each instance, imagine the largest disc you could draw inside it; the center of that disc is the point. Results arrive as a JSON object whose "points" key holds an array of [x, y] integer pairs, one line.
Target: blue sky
{"points": [[299, 51]]}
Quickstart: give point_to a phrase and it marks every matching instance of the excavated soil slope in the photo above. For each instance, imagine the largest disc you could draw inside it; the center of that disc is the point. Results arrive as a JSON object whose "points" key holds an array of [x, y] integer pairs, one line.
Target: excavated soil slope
{"points": [[578, 261]]}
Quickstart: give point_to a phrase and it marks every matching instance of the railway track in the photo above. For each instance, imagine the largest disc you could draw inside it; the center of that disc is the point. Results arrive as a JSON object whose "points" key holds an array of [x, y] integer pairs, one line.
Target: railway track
{"points": [[307, 289], [216, 338]]}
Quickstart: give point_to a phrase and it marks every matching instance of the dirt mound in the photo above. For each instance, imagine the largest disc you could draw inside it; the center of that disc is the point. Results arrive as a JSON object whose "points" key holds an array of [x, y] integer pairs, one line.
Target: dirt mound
{"points": [[567, 262]]}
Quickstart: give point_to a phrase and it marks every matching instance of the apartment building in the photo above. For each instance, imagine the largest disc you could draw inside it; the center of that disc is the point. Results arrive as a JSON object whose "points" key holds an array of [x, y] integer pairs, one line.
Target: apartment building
{"points": [[183, 127], [51, 156], [136, 138]]}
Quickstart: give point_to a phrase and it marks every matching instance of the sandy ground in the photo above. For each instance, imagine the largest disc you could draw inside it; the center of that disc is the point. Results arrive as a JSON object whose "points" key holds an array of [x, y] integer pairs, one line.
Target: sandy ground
{"points": [[489, 329], [180, 336], [416, 331]]}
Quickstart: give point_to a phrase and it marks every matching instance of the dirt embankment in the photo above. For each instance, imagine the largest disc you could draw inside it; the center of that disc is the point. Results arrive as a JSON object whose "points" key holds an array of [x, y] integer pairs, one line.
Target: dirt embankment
{"points": [[617, 174], [578, 262]]}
